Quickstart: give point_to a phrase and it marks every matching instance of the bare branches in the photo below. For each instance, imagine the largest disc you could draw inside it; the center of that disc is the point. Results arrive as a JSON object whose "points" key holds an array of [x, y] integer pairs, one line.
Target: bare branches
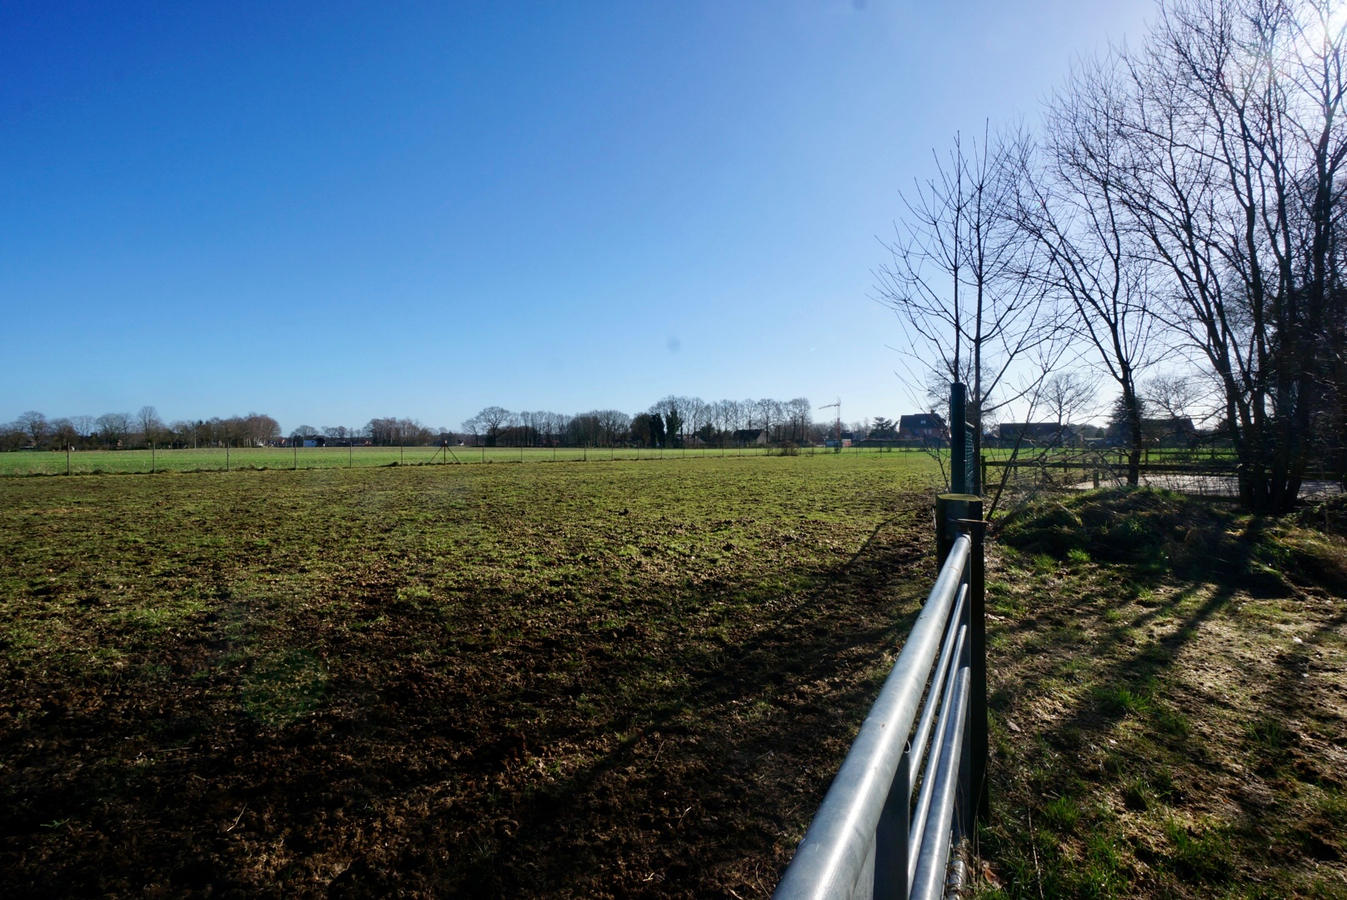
{"points": [[957, 271]]}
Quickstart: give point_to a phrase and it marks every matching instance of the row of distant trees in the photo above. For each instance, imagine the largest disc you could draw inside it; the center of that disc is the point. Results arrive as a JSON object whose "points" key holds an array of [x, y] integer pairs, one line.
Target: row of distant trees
{"points": [[673, 421], [115, 431], [1182, 214]]}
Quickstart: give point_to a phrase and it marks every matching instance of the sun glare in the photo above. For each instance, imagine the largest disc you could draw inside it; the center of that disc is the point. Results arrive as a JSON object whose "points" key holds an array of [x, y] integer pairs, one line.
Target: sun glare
{"points": [[1325, 25]]}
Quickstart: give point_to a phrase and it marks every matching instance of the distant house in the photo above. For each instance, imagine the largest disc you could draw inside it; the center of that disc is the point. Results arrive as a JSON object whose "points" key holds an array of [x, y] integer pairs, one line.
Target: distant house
{"points": [[1176, 431], [1043, 434], [746, 436], [922, 426]]}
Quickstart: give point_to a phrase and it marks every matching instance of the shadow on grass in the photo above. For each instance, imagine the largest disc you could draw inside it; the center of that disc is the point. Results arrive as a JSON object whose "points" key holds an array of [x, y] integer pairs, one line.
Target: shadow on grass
{"points": [[1098, 664], [718, 776], [654, 755]]}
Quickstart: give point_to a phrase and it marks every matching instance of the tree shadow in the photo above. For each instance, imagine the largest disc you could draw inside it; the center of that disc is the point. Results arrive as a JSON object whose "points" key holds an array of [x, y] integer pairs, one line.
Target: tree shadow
{"points": [[1121, 667]]}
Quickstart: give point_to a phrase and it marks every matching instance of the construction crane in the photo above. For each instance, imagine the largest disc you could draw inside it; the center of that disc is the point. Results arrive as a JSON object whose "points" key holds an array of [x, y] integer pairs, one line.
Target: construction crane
{"points": [[838, 406]]}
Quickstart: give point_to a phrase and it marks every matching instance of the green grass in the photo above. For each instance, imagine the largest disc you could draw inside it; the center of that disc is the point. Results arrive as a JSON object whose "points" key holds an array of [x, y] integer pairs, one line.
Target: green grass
{"points": [[1177, 698], [529, 680], [85, 462]]}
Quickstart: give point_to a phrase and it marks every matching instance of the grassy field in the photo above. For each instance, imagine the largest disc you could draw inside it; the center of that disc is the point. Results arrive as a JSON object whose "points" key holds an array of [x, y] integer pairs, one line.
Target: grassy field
{"points": [[620, 679], [637, 679], [1168, 686], [97, 462]]}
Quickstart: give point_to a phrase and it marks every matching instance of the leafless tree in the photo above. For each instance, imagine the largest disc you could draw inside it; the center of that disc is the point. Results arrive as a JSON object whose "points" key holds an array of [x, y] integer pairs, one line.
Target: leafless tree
{"points": [[1237, 129], [84, 425], [1095, 263], [957, 273], [800, 411], [150, 424], [1174, 395], [34, 426], [488, 423], [1068, 396], [63, 433], [765, 414], [113, 427]]}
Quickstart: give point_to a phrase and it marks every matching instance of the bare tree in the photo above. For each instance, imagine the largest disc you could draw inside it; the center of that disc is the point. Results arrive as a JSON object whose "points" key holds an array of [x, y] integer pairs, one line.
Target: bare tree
{"points": [[260, 429], [12, 436], [150, 424], [614, 424], [1094, 261], [1174, 395], [63, 433], [84, 425], [1237, 128], [113, 427], [34, 426], [491, 420], [765, 413], [1068, 395], [957, 275], [800, 412]]}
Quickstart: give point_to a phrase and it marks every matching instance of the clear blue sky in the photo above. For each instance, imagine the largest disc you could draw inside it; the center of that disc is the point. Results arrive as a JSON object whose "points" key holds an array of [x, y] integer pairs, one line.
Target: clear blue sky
{"points": [[333, 211]]}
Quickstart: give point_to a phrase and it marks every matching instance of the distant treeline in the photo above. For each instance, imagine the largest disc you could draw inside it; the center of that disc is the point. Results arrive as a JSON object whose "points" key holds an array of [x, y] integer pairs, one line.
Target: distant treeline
{"points": [[674, 421]]}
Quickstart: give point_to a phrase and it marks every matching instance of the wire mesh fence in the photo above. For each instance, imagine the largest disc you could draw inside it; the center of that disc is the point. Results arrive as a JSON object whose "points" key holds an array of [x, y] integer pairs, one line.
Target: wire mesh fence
{"points": [[222, 459], [1205, 472]]}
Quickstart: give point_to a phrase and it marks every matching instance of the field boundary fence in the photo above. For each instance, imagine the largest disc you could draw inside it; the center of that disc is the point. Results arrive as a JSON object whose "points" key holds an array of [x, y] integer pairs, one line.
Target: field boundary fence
{"points": [[228, 459], [1203, 473], [914, 781]]}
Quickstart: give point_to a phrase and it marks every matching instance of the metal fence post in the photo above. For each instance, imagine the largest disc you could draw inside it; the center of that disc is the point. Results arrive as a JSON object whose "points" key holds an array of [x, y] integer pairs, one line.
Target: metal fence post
{"points": [[959, 476], [977, 667]]}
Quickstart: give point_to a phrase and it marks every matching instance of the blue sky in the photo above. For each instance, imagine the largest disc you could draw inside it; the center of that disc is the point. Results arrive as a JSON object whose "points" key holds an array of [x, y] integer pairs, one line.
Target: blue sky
{"points": [[331, 212]]}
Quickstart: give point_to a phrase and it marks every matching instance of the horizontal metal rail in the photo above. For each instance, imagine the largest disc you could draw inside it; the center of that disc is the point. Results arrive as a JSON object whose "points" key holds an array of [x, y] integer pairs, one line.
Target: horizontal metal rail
{"points": [[866, 840]]}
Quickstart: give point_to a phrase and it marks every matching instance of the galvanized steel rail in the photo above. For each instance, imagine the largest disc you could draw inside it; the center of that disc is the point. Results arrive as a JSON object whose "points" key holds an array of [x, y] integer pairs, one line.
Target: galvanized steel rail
{"points": [[869, 839]]}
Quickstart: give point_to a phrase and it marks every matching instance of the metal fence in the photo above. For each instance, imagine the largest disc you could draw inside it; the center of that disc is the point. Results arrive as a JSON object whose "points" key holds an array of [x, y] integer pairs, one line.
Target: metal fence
{"points": [[221, 459], [916, 775], [1034, 470]]}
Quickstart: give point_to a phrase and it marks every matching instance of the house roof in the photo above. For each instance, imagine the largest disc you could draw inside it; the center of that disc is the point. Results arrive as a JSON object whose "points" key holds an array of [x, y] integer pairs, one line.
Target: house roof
{"points": [[921, 420]]}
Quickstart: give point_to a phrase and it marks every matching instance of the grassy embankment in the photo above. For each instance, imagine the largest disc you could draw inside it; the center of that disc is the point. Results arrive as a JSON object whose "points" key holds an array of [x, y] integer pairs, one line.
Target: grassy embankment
{"points": [[1169, 701]]}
